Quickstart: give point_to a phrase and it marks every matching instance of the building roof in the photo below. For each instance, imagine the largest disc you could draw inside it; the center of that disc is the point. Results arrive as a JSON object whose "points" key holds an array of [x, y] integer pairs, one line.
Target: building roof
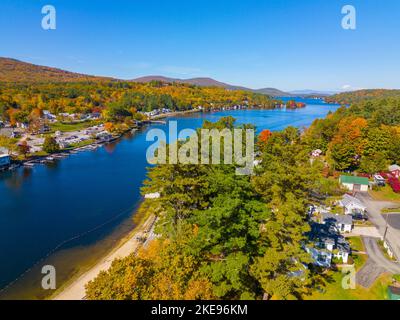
{"points": [[394, 167], [336, 218], [354, 180], [348, 200], [327, 234]]}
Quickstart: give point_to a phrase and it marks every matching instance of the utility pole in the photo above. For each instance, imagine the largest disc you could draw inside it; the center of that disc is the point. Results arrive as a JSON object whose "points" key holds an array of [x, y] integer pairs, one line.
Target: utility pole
{"points": [[386, 227]]}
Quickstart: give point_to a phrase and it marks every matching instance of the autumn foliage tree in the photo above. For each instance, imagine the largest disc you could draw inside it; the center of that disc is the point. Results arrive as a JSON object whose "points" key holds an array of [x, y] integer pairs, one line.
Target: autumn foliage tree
{"points": [[264, 136]]}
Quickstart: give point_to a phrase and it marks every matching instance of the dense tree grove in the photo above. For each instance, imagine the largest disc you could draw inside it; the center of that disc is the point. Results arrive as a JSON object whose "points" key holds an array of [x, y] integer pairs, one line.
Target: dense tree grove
{"points": [[363, 137], [362, 95], [116, 100], [222, 235]]}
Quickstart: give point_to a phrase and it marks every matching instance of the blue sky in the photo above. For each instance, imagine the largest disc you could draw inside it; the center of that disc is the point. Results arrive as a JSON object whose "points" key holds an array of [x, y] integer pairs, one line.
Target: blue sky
{"points": [[287, 44]]}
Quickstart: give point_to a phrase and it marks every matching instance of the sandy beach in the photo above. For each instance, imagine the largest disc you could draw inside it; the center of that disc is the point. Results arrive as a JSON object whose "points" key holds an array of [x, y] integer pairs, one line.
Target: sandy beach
{"points": [[76, 290]]}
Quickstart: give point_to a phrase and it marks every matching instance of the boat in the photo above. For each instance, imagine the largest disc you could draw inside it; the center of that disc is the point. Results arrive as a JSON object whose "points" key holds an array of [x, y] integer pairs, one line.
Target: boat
{"points": [[29, 164]]}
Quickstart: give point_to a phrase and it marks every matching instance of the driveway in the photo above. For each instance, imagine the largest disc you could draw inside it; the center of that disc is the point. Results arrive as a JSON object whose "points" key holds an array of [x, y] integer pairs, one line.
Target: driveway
{"points": [[374, 208], [375, 265]]}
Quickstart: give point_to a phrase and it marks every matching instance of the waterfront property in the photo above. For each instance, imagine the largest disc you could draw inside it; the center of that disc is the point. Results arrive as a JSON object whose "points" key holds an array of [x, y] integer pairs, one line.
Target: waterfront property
{"points": [[354, 184], [112, 175], [4, 161]]}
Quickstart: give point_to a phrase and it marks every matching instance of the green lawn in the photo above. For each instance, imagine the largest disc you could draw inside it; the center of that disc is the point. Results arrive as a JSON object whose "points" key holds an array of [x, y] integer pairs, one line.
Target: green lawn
{"points": [[385, 194], [356, 243], [67, 127], [81, 144], [334, 291]]}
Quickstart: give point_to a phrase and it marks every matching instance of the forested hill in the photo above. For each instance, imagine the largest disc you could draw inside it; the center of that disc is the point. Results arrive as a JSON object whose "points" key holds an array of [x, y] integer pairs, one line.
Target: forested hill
{"points": [[12, 70], [360, 95], [15, 71]]}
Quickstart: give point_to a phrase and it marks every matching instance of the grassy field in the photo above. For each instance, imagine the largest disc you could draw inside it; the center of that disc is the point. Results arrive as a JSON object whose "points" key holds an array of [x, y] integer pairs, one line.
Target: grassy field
{"points": [[359, 259], [334, 291], [68, 127], [356, 243], [81, 144], [385, 194]]}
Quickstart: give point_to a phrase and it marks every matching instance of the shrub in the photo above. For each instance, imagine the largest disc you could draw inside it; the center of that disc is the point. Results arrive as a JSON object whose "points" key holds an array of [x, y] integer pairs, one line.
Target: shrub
{"points": [[395, 184], [50, 145]]}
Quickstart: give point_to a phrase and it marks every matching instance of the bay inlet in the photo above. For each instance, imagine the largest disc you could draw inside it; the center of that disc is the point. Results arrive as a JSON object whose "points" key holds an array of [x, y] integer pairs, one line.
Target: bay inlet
{"points": [[71, 212]]}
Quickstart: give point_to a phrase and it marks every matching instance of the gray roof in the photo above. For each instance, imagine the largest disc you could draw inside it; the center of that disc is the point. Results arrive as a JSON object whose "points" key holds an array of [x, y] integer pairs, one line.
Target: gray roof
{"points": [[348, 199], [335, 218], [327, 234]]}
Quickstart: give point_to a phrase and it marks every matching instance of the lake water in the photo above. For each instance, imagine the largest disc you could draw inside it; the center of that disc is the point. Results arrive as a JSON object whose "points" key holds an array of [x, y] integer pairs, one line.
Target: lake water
{"points": [[73, 210]]}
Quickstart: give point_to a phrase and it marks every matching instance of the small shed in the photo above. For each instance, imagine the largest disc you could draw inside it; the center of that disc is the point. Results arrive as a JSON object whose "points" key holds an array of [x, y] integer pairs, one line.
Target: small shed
{"points": [[354, 183]]}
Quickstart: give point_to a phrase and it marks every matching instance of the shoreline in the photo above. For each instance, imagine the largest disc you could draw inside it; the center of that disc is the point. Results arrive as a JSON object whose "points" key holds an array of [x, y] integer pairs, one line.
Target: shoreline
{"points": [[130, 244]]}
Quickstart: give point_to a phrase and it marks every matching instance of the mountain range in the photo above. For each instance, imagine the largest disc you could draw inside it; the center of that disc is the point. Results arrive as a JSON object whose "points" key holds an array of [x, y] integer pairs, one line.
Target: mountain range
{"points": [[209, 82], [12, 70]]}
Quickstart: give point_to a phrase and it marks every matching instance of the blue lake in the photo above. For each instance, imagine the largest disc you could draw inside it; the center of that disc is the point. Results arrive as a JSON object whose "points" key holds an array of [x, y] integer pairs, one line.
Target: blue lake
{"points": [[75, 203]]}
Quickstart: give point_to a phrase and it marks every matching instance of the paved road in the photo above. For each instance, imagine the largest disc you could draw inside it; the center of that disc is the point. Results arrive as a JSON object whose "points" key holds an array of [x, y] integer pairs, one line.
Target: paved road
{"points": [[375, 253], [375, 216], [375, 265], [367, 275], [393, 220]]}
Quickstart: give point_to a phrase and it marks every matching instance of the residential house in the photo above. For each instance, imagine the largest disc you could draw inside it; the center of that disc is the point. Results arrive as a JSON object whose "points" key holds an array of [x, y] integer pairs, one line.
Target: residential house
{"points": [[22, 125], [327, 244], [44, 129], [49, 116], [352, 206], [104, 136], [343, 223], [354, 183], [5, 161], [316, 153], [154, 195], [394, 169]]}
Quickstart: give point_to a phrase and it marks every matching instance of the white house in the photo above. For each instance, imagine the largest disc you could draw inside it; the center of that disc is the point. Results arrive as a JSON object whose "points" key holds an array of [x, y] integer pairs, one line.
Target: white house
{"points": [[327, 243], [352, 205], [354, 183], [154, 195], [48, 115], [316, 153]]}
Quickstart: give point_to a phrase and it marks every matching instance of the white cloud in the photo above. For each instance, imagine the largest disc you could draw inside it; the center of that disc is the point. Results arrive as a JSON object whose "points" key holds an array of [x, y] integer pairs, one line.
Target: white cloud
{"points": [[348, 87]]}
